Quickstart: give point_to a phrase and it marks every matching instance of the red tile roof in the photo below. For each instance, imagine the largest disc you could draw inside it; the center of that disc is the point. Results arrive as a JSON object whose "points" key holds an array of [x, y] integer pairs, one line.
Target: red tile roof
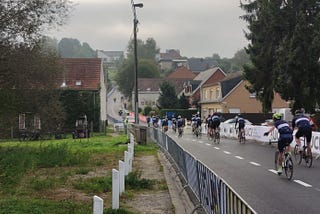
{"points": [[182, 73], [81, 73]]}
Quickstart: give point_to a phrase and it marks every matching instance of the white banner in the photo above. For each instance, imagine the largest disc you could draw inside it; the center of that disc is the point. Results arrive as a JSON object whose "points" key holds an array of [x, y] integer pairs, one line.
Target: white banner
{"points": [[256, 133]]}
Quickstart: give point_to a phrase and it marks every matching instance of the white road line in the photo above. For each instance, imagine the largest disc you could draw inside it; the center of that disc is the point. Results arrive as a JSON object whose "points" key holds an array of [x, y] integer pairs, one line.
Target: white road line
{"points": [[239, 157], [208, 144], [273, 171], [254, 163], [217, 148], [228, 153], [302, 183]]}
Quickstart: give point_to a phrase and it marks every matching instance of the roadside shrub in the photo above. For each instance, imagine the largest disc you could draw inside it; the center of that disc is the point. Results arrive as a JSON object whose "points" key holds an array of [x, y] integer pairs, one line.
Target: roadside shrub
{"points": [[133, 181]]}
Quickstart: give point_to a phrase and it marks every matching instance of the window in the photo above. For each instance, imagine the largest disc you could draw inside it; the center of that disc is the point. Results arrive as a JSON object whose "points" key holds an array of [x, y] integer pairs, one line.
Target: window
{"points": [[211, 94], [217, 93], [252, 95], [78, 82]]}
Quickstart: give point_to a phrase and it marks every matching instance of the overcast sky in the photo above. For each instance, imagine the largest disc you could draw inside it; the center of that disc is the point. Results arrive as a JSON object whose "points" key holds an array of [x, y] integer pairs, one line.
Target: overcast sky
{"points": [[198, 28]]}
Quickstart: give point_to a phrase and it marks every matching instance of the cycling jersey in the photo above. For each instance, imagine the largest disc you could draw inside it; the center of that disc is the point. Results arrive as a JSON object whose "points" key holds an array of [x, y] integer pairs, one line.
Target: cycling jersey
{"points": [[241, 122], [215, 121], [285, 134], [304, 127]]}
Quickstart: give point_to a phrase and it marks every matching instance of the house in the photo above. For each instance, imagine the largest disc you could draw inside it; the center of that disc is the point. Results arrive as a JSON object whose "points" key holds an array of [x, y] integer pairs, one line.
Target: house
{"points": [[231, 96], [170, 60], [180, 77], [205, 77], [109, 58], [198, 65], [85, 74], [148, 92]]}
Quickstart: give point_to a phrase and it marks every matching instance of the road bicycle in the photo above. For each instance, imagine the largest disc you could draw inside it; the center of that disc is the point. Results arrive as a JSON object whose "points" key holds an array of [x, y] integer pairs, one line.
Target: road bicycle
{"points": [[197, 131], [242, 136], [216, 138], [303, 154], [180, 131], [287, 163]]}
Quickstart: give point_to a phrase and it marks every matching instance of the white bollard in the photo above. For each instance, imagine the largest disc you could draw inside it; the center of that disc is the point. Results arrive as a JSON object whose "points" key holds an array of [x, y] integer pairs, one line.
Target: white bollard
{"points": [[131, 138], [130, 151], [121, 177], [115, 189], [126, 162], [97, 205]]}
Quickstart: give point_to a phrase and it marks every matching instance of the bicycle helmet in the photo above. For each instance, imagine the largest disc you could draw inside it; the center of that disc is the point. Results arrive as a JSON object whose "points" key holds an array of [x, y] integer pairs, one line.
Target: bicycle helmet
{"points": [[298, 111], [215, 113], [276, 116]]}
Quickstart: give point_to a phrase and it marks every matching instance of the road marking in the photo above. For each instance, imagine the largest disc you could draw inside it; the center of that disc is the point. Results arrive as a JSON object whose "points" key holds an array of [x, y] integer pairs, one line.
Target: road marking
{"points": [[228, 153], [217, 148], [302, 183], [208, 144], [254, 163], [273, 171], [239, 157]]}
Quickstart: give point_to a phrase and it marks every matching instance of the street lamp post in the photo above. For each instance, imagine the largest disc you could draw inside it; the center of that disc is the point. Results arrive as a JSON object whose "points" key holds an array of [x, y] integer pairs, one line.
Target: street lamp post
{"points": [[135, 23]]}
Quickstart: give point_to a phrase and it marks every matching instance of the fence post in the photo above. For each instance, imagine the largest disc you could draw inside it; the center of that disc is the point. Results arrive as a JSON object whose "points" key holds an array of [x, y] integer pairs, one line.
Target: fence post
{"points": [[97, 205], [121, 176], [115, 189]]}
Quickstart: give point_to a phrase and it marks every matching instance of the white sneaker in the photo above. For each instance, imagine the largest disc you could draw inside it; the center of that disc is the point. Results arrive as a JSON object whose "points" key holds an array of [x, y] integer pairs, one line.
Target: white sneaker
{"points": [[279, 170]]}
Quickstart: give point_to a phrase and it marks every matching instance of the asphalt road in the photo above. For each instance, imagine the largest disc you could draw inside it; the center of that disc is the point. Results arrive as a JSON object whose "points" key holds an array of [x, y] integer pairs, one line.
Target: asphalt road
{"points": [[249, 170]]}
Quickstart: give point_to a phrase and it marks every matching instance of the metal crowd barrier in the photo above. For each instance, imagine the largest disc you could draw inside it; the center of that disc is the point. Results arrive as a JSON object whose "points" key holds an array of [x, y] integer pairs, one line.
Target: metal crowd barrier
{"points": [[213, 194]]}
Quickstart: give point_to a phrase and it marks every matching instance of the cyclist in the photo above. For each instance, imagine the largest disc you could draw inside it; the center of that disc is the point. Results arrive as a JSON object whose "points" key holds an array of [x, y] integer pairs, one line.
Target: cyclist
{"points": [[180, 125], [215, 122], [208, 124], [303, 126], [241, 122], [164, 124], [198, 123], [193, 122], [285, 137], [174, 123]]}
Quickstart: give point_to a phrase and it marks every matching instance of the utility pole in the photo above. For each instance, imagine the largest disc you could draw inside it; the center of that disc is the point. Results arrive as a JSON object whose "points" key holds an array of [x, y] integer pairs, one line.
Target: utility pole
{"points": [[135, 23]]}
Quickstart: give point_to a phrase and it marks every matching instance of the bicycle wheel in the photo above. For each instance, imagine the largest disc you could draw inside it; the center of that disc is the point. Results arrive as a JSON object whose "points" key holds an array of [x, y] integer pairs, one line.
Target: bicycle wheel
{"points": [[217, 137], [288, 168], [276, 160], [308, 158], [297, 154]]}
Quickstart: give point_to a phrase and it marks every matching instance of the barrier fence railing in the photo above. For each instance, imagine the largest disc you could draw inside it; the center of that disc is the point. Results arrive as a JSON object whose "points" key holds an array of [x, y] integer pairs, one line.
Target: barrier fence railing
{"points": [[214, 195]]}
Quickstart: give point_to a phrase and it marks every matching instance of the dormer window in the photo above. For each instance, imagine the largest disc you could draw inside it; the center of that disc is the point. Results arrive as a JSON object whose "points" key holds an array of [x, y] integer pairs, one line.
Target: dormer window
{"points": [[78, 83]]}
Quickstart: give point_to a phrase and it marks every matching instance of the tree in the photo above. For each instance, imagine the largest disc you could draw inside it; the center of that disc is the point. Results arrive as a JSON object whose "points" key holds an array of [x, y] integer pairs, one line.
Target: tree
{"points": [[28, 65], [72, 48], [21, 22], [145, 50], [262, 17], [147, 67], [183, 102], [168, 98]]}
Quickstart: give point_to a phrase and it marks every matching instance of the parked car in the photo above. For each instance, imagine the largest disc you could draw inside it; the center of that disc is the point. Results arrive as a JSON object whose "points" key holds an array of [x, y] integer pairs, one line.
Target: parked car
{"points": [[268, 122], [233, 121]]}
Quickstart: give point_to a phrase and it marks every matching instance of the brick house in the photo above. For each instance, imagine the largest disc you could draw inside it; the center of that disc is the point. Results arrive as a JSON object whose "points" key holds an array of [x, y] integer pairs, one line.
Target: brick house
{"points": [[85, 74], [229, 95]]}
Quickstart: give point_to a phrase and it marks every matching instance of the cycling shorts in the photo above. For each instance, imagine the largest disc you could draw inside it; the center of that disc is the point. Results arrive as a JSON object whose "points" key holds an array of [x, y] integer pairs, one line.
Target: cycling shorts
{"points": [[284, 140], [215, 124], [304, 131]]}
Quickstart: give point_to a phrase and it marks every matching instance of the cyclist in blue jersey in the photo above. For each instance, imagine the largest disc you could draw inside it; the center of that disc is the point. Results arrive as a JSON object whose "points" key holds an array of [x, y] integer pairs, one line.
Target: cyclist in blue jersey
{"points": [[285, 137], [241, 124], [215, 122], [303, 126]]}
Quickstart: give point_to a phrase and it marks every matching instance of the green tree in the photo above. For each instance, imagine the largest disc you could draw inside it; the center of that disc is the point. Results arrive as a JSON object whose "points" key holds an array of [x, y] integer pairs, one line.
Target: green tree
{"points": [[264, 18], [72, 48], [145, 50], [21, 22], [183, 102], [168, 98], [286, 60]]}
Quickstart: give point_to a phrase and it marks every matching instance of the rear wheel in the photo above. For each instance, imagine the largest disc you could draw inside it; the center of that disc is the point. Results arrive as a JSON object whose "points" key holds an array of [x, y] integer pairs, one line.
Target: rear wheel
{"points": [[288, 168], [276, 160], [217, 136], [308, 158], [297, 154]]}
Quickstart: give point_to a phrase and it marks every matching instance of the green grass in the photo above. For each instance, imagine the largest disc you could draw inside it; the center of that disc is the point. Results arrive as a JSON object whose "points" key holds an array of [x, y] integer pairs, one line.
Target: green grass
{"points": [[32, 171], [41, 206]]}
